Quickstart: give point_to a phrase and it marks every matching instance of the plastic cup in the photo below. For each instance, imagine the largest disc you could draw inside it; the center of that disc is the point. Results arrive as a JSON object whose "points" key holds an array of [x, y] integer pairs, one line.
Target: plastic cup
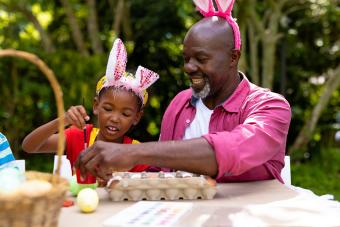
{"points": [[65, 168], [89, 178]]}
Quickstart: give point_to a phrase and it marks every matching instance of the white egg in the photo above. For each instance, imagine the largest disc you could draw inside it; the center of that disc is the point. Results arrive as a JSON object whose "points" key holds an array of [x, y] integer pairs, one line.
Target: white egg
{"points": [[87, 200], [35, 188], [10, 180]]}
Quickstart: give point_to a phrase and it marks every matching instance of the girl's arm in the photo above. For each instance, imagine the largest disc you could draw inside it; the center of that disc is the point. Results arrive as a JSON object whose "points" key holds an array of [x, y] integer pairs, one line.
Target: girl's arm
{"points": [[45, 140]]}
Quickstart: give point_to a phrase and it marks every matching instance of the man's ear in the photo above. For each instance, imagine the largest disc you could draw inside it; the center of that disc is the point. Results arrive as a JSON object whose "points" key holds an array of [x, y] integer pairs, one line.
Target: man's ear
{"points": [[138, 117], [95, 105], [235, 57]]}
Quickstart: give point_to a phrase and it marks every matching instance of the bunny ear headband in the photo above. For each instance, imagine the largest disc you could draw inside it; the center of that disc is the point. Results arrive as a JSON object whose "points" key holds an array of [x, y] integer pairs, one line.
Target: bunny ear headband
{"points": [[117, 77], [224, 7]]}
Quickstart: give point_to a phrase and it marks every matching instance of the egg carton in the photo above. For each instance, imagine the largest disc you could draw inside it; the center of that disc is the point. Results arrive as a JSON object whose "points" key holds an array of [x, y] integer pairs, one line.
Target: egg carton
{"points": [[126, 186]]}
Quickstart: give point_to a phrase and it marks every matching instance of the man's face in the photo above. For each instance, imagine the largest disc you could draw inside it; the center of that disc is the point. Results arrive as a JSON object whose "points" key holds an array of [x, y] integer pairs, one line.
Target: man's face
{"points": [[206, 61]]}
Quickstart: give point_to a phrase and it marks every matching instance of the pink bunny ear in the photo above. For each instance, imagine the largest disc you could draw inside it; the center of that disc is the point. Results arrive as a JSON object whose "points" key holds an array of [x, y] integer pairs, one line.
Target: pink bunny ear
{"points": [[117, 62], [225, 6], [146, 77], [205, 7]]}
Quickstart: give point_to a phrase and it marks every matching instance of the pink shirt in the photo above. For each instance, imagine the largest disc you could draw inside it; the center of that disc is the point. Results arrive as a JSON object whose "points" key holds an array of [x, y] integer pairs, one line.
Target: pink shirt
{"points": [[247, 132]]}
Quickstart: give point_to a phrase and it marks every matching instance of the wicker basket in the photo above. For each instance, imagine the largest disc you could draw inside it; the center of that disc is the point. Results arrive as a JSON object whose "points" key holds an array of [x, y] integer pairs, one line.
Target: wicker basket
{"points": [[41, 210]]}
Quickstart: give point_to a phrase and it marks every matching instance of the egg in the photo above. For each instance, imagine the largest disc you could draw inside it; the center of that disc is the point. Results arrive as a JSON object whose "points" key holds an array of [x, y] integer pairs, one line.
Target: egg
{"points": [[35, 188], [10, 181], [75, 188], [87, 200]]}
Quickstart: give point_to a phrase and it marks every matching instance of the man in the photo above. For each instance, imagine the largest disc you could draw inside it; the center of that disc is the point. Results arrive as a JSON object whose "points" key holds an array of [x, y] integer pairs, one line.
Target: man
{"points": [[224, 126]]}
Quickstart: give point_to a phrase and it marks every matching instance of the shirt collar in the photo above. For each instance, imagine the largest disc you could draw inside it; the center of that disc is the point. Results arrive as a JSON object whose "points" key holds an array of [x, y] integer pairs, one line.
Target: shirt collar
{"points": [[193, 100], [234, 102]]}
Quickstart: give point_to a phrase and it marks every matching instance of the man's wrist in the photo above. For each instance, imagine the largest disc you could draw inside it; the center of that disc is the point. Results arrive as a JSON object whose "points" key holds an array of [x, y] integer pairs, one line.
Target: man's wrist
{"points": [[135, 154]]}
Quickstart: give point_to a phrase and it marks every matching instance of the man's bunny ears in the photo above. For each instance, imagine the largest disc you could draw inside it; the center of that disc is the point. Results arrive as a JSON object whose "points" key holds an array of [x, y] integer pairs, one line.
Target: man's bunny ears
{"points": [[224, 7], [117, 77]]}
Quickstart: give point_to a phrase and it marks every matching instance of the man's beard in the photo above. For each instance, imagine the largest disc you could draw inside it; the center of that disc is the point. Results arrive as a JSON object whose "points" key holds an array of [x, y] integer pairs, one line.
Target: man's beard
{"points": [[202, 93]]}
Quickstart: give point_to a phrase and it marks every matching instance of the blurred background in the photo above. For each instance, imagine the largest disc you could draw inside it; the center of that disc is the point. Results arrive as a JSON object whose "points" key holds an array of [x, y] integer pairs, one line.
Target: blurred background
{"points": [[289, 46]]}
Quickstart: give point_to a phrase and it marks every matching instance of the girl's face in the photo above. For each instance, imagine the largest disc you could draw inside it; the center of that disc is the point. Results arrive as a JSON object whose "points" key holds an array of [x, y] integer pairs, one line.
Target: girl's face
{"points": [[117, 110]]}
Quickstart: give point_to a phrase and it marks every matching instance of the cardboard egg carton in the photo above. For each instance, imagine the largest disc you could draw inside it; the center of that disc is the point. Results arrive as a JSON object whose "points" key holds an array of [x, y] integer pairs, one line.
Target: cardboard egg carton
{"points": [[126, 186]]}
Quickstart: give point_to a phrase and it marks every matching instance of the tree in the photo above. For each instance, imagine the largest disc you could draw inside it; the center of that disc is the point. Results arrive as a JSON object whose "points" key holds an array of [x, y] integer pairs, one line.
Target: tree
{"points": [[75, 29], [45, 37], [155, 31], [314, 51], [307, 130], [261, 20], [119, 13], [55, 86], [92, 27]]}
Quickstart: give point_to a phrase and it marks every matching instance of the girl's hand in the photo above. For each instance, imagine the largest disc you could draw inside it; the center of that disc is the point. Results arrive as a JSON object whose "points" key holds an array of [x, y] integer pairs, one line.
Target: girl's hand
{"points": [[77, 116]]}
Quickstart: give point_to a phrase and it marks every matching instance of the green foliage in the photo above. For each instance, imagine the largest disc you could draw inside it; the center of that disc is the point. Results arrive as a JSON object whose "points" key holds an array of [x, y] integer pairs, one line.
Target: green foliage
{"points": [[28, 100], [310, 42], [39, 162], [321, 173], [312, 48]]}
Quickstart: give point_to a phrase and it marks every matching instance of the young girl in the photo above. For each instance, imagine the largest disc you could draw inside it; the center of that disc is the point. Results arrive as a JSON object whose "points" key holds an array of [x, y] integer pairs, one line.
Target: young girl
{"points": [[118, 105]]}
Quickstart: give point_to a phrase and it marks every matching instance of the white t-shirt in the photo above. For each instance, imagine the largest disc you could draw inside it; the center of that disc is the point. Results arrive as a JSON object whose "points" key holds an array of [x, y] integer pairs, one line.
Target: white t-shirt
{"points": [[200, 125]]}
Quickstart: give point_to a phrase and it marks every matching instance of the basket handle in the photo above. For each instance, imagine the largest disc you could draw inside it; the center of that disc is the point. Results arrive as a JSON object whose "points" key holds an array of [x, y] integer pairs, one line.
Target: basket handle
{"points": [[56, 90]]}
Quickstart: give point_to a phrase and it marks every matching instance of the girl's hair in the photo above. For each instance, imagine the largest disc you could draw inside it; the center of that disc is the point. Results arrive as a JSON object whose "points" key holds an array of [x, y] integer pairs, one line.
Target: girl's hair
{"points": [[117, 76], [122, 88]]}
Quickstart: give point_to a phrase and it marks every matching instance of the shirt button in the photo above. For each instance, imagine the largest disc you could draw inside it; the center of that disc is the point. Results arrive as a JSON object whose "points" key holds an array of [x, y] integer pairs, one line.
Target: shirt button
{"points": [[187, 121]]}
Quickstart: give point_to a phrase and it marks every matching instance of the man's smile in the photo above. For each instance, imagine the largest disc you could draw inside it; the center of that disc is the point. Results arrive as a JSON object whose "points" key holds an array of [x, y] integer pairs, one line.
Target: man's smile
{"points": [[200, 86], [197, 82]]}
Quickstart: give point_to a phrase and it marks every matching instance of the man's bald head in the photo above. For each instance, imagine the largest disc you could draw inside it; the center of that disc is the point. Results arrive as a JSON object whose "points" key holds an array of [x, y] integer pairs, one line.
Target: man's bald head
{"points": [[214, 28]]}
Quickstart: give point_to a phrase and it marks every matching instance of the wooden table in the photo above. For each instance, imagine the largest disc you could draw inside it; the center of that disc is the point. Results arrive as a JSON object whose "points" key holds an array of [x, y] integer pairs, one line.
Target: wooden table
{"points": [[231, 202]]}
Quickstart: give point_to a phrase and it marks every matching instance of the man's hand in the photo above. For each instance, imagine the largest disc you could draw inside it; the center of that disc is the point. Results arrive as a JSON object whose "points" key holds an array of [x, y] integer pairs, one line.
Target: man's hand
{"points": [[103, 158]]}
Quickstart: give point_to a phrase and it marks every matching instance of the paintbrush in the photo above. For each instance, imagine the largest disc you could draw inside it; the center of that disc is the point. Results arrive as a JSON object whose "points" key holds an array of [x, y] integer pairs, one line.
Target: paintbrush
{"points": [[84, 129]]}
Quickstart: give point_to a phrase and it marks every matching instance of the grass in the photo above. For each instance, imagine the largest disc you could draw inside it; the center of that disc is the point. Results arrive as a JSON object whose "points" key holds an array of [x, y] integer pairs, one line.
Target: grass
{"points": [[321, 173]]}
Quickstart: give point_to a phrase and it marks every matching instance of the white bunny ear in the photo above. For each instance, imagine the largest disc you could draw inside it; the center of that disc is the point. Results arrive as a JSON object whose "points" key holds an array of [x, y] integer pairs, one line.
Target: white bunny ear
{"points": [[204, 6], [146, 77], [225, 6], [117, 62]]}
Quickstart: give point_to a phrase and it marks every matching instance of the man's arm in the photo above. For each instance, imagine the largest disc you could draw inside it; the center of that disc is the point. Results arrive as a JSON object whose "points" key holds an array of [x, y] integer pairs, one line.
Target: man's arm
{"points": [[260, 138], [194, 155]]}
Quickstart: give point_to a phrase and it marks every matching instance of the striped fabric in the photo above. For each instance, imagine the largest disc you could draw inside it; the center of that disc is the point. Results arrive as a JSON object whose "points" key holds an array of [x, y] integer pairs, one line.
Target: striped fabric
{"points": [[6, 154]]}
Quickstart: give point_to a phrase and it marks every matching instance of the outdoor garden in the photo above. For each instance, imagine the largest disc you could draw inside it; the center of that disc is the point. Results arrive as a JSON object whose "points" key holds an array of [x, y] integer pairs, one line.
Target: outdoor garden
{"points": [[291, 47]]}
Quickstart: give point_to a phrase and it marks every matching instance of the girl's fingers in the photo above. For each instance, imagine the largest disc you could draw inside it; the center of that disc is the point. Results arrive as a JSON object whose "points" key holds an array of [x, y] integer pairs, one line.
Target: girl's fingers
{"points": [[83, 113], [78, 116], [80, 120], [73, 118]]}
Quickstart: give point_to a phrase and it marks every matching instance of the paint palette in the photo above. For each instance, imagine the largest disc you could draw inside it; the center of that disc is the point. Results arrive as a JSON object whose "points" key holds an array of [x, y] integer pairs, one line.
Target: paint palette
{"points": [[126, 186], [148, 213]]}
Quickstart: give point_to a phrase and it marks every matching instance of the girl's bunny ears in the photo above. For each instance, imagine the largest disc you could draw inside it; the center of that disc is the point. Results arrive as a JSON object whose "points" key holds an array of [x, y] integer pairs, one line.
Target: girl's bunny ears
{"points": [[224, 7], [117, 77]]}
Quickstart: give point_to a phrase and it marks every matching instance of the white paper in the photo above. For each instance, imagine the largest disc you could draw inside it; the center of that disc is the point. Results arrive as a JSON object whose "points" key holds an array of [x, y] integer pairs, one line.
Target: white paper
{"points": [[149, 213]]}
